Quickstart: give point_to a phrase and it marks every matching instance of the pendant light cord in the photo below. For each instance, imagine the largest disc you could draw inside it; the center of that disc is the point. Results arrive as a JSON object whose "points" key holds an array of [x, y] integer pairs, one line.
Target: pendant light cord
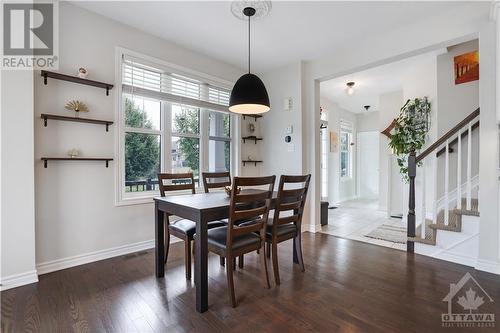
{"points": [[248, 44]]}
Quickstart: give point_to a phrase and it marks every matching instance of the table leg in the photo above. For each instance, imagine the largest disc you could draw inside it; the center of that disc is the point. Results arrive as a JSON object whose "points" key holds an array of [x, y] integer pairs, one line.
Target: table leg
{"points": [[201, 266], [159, 242], [295, 257]]}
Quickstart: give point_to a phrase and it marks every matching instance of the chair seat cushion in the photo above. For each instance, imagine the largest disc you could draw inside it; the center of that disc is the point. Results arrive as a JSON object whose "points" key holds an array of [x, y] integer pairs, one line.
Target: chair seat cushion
{"points": [[283, 229], [218, 236], [188, 227]]}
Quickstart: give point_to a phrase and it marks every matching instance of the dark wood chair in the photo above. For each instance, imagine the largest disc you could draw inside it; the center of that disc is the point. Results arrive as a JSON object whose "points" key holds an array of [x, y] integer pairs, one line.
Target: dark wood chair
{"points": [[183, 229], [235, 240], [286, 226], [213, 180]]}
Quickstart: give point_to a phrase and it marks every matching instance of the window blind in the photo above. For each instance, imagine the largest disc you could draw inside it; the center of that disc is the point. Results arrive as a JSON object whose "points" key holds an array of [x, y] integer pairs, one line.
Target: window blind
{"points": [[151, 81]]}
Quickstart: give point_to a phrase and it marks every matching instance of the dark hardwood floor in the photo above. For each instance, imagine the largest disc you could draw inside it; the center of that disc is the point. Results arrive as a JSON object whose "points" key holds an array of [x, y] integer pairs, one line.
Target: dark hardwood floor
{"points": [[348, 286]]}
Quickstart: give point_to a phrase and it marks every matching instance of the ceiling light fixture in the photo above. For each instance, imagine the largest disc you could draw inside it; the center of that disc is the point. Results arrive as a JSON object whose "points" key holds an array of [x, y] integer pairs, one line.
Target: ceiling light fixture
{"points": [[350, 88], [366, 107], [249, 95]]}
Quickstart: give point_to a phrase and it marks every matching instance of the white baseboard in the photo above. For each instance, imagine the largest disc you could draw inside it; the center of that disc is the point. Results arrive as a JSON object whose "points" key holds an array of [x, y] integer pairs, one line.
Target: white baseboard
{"points": [[488, 266], [311, 228], [17, 280], [58, 264]]}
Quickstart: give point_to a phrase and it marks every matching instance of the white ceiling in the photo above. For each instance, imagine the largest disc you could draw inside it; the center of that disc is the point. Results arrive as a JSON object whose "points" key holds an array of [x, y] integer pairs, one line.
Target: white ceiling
{"points": [[373, 82], [293, 31]]}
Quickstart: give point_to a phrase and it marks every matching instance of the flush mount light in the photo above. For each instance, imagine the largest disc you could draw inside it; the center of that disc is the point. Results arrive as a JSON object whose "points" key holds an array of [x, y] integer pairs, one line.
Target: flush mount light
{"points": [[366, 107], [249, 95], [350, 88]]}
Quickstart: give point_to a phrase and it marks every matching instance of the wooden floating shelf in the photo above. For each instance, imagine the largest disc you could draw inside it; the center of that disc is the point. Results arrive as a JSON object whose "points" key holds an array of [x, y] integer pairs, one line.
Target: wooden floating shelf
{"points": [[45, 159], [46, 116], [254, 116], [251, 161], [251, 137], [75, 79]]}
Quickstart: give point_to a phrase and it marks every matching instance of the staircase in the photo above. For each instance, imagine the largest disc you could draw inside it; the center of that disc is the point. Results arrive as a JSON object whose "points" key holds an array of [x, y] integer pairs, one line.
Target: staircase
{"points": [[450, 231]]}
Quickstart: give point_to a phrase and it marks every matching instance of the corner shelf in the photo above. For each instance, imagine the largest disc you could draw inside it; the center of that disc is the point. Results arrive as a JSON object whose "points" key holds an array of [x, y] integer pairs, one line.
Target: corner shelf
{"points": [[45, 159], [75, 79], [46, 116], [254, 116], [250, 161], [251, 137]]}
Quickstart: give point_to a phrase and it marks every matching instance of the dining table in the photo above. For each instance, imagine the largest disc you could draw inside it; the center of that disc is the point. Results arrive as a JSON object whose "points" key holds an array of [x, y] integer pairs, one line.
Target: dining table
{"points": [[200, 208]]}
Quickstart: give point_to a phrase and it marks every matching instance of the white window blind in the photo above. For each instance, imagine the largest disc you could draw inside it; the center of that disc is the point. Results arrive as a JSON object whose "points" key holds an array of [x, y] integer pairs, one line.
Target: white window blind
{"points": [[149, 80]]}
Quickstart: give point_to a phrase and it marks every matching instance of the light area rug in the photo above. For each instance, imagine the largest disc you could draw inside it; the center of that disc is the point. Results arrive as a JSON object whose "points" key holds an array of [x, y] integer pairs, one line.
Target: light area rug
{"points": [[389, 233]]}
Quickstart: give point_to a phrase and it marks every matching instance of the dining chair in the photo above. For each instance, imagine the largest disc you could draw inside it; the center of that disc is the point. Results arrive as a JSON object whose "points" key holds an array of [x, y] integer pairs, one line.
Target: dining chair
{"points": [[289, 203], [234, 240], [212, 180], [181, 228]]}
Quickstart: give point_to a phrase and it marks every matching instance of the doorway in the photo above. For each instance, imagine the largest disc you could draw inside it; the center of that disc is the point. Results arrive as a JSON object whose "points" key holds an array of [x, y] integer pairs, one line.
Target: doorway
{"points": [[368, 165]]}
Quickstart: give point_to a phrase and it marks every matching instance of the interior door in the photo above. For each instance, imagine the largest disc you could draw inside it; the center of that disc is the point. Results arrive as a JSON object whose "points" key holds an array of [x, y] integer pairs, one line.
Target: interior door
{"points": [[368, 164]]}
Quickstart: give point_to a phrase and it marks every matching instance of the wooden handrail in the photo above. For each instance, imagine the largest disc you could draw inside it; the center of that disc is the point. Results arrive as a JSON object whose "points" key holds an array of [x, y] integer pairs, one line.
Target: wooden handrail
{"points": [[447, 135], [455, 141]]}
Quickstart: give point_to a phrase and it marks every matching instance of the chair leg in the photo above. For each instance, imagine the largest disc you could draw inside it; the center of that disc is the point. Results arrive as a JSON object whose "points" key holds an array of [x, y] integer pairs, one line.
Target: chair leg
{"points": [[234, 263], [276, 270], [240, 261], [167, 241], [298, 250], [263, 262], [230, 282], [222, 261], [268, 249], [187, 258]]}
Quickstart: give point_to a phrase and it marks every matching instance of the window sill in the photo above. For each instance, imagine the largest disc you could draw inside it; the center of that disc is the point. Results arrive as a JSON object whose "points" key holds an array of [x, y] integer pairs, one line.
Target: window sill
{"points": [[142, 200]]}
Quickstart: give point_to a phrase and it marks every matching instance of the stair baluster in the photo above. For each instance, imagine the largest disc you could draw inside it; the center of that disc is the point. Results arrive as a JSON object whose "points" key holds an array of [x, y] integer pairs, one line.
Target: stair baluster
{"points": [[468, 204], [447, 183], [459, 171], [423, 210]]}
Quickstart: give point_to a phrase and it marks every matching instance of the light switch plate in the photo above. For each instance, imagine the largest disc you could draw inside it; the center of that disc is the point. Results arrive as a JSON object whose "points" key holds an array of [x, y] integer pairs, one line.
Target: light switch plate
{"points": [[289, 129]]}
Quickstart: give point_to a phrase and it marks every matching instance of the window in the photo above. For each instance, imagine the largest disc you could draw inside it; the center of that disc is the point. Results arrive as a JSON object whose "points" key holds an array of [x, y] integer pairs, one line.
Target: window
{"points": [[345, 149], [169, 122]]}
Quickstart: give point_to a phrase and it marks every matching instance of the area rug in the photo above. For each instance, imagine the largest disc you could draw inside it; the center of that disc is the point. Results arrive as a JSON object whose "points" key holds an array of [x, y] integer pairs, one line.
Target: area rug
{"points": [[389, 233]]}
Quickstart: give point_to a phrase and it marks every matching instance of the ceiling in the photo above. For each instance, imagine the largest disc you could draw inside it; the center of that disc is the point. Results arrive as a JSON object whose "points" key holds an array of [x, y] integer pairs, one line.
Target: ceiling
{"points": [[292, 31], [371, 83]]}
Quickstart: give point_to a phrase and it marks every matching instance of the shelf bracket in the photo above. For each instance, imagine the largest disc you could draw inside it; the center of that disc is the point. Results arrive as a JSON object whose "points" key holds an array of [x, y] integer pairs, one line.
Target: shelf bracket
{"points": [[107, 91], [45, 121], [45, 78], [45, 164], [107, 127], [107, 163]]}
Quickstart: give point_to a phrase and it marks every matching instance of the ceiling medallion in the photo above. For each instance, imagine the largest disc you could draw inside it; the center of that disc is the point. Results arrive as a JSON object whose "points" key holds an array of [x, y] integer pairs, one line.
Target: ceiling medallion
{"points": [[262, 8]]}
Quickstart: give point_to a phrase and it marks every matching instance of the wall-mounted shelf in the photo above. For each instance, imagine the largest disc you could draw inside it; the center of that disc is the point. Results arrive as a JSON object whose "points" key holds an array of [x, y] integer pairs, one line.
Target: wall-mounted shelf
{"points": [[75, 79], [251, 138], [105, 159], [251, 161], [254, 116], [46, 116]]}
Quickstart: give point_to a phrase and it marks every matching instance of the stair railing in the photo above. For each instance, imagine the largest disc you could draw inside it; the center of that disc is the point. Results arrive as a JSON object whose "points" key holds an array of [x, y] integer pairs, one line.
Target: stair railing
{"points": [[416, 162]]}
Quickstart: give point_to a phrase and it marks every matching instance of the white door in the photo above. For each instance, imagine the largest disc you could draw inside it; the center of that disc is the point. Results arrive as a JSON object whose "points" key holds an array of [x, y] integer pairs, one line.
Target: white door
{"points": [[368, 164]]}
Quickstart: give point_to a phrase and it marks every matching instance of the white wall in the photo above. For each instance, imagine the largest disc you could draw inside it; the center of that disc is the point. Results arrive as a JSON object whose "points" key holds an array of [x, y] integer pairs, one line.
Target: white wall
{"points": [[75, 204], [339, 189], [367, 122], [17, 180], [281, 157]]}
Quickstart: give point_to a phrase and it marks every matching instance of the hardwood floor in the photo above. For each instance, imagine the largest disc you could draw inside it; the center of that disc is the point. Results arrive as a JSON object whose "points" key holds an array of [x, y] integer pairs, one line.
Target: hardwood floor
{"points": [[348, 286]]}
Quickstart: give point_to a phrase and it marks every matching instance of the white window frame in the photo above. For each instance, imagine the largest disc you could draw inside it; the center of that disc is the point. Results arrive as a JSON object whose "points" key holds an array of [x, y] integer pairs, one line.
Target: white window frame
{"points": [[346, 127], [121, 197]]}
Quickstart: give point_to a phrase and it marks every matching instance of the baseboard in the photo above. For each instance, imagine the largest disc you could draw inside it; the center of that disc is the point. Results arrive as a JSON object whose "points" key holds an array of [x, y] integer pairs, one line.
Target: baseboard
{"points": [[17, 280], [488, 266], [56, 265], [311, 228]]}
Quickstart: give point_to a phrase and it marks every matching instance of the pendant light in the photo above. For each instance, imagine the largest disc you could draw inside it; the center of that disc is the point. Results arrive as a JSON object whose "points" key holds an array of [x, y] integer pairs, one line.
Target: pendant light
{"points": [[249, 95]]}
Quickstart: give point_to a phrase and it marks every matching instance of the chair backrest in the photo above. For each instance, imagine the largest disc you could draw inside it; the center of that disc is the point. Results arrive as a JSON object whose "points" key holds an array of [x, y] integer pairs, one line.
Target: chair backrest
{"points": [[216, 180], [177, 182], [291, 199], [250, 204]]}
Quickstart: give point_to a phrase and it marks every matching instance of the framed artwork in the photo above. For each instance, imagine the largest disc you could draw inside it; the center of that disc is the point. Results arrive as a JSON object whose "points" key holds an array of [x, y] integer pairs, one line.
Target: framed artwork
{"points": [[466, 67], [334, 142]]}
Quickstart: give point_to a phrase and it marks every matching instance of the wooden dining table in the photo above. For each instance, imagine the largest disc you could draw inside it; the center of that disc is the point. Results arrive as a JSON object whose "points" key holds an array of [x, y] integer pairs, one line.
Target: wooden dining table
{"points": [[200, 208]]}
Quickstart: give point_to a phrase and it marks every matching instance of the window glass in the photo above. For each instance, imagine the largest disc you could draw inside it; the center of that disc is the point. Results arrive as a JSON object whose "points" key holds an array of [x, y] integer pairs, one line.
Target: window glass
{"points": [[219, 124], [185, 119], [219, 155], [142, 113], [185, 156], [142, 161]]}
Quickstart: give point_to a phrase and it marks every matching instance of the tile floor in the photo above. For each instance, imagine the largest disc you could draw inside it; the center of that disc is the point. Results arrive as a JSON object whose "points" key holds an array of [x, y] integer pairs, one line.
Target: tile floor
{"points": [[355, 218]]}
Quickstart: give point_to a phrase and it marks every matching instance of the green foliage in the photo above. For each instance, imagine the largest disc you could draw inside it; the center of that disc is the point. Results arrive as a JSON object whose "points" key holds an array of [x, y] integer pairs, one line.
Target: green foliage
{"points": [[410, 131], [188, 122], [142, 151]]}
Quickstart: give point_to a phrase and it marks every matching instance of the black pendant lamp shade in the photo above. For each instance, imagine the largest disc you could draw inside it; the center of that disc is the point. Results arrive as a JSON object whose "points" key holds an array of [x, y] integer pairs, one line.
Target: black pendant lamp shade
{"points": [[249, 95]]}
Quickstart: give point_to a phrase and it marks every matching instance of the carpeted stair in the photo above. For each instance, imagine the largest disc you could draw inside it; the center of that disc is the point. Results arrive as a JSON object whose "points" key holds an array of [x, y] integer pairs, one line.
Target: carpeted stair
{"points": [[454, 223]]}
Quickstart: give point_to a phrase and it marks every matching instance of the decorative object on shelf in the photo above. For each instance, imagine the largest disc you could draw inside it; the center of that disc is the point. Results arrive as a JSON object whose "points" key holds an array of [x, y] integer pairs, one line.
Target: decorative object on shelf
{"points": [[73, 153], [77, 107], [83, 73], [251, 137], [251, 127], [249, 95], [410, 131], [75, 79], [466, 67], [46, 116], [229, 189], [250, 158], [350, 88]]}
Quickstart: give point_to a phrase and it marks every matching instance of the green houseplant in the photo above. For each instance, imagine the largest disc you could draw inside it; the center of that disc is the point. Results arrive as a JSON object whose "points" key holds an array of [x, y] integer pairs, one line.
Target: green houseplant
{"points": [[410, 131]]}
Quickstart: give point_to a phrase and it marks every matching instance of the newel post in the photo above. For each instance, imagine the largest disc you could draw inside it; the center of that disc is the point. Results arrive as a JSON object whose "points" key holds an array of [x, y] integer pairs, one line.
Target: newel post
{"points": [[412, 172]]}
